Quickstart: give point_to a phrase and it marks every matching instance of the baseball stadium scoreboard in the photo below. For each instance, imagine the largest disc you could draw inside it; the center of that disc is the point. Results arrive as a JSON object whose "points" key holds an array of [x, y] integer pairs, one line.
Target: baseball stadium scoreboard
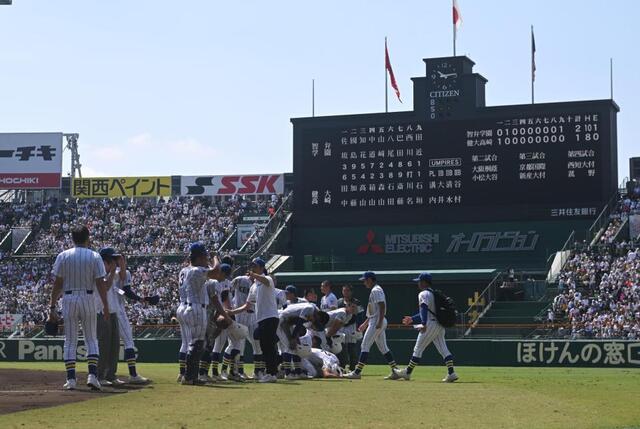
{"points": [[452, 159]]}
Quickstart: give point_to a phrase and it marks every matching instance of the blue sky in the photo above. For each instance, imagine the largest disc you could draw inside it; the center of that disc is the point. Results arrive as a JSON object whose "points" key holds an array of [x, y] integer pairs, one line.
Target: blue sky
{"points": [[206, 87]]}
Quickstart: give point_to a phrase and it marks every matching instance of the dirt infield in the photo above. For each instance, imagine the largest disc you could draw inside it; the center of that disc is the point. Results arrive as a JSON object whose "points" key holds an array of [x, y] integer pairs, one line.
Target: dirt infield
{"points": [[25, 390]]}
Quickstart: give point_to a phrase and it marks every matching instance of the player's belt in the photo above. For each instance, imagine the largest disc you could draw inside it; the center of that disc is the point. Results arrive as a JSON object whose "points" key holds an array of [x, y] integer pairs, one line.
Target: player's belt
{"points": [[191, 305], [69, 292]]}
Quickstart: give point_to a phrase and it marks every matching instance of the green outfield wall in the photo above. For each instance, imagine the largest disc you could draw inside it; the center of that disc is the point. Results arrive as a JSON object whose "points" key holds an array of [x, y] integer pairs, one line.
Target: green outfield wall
{"points": [[563, 353]]}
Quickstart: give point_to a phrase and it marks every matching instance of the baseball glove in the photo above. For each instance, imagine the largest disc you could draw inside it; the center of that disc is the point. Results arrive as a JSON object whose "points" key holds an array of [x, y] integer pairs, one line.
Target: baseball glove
{"points": [[51, 327]]}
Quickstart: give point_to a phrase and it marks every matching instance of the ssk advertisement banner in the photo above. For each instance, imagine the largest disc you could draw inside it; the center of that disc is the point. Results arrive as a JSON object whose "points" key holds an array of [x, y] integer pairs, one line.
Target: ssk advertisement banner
{"points": [[30, 160], [113, 187], [250, 184]]}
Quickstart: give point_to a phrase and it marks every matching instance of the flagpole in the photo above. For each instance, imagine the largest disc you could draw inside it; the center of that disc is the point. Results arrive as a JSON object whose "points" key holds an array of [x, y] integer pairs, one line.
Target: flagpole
{"points": [[532, 68], [386, 85], [454, 29], [313, 97], [611, 75]]}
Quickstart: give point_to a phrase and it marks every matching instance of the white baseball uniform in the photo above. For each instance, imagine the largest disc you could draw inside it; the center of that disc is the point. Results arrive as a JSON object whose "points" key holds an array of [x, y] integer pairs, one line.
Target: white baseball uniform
{"points": [[318, 360], [372, 334], [328, 302], [79, 268], [185, 330], [303, 311], [241, 287], [124, 326], [195, 313], [434, 331], [218, 288]]}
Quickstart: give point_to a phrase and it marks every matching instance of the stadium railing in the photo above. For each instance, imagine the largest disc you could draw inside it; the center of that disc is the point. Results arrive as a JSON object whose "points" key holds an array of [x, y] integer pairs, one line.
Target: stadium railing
{"points": [[485, 299]]}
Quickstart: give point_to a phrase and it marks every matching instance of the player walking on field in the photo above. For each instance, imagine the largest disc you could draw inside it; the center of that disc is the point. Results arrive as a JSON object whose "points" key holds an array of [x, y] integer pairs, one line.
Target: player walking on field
{"points": [[374, 328], [430, 331], [79, 272]]}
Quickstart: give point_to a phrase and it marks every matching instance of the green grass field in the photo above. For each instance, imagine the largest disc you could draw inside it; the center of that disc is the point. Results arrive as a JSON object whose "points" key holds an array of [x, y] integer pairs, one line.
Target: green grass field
{"points": [[483, 398]]}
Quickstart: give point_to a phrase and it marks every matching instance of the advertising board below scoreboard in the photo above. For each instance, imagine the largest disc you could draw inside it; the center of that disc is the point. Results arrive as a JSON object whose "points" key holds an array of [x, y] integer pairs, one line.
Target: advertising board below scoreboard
{"points": [[30, 160]]}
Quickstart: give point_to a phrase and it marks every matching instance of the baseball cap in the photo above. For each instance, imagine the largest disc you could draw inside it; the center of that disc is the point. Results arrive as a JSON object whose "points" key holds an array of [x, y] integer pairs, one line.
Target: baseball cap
{"points": [[291, 289], [259, 262], [368, 275], [109, 252], [423, 277], [197, 248], [225, 268]]}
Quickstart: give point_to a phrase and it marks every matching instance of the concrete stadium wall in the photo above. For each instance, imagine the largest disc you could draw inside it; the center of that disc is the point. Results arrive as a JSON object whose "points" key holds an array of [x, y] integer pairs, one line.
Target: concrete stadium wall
{"points": [[583, 353]]}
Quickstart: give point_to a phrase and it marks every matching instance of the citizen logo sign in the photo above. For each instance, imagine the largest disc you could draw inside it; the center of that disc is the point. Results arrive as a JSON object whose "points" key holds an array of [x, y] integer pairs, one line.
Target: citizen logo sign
{"points": [[266, 184], [19, 180], [444, 94]]}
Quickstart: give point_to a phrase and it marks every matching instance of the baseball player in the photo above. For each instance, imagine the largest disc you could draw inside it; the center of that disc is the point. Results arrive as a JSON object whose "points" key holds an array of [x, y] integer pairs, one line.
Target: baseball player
{"points": [[321, 364], [107, 330], [245, 315], [266, 308], [430, 331], [122, 284], [349, 354], [217, 288], [185, 331], [328, 300], [374, 327], [194, 278], [291, 293], [79, 272], [291, 327]]}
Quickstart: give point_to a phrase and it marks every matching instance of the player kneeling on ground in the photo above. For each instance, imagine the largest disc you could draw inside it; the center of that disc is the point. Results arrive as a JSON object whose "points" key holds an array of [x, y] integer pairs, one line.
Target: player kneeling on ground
{"points": [[291, 328], [318, 363]]}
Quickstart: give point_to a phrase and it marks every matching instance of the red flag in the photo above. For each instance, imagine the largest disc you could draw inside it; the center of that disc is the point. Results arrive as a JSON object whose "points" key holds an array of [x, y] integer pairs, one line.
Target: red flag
{"points": [[387, 64], [457, 16]]}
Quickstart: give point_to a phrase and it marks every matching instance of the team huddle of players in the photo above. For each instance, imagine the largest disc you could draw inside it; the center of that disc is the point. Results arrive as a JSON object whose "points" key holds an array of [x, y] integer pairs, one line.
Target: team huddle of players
{"points": [[290, 337]]}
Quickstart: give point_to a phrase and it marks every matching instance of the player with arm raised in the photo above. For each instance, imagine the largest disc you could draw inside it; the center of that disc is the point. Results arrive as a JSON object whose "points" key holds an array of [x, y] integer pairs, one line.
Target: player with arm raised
{"points": [[122, 286], [195, 313], [430, 331], [374, 328], [79, 272], [267, 317]]}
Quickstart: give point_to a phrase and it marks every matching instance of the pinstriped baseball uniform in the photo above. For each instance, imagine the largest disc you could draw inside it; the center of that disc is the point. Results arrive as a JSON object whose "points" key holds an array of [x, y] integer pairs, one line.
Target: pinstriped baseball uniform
{"points": [[303, 311], [434, 331], [241, 286], [195, 313], [124, 326], [185, 332], [219, 287], [372, 334], [79, 268]]}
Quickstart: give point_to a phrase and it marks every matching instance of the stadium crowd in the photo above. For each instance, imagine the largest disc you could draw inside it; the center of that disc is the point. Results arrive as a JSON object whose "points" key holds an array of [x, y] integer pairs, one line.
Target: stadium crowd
{"points": [[599, 287], [143, 227]]}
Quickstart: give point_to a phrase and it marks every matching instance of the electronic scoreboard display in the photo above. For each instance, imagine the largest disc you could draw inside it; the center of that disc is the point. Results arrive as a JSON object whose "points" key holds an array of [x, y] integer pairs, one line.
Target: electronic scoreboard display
{"points": [[550, 162]]}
